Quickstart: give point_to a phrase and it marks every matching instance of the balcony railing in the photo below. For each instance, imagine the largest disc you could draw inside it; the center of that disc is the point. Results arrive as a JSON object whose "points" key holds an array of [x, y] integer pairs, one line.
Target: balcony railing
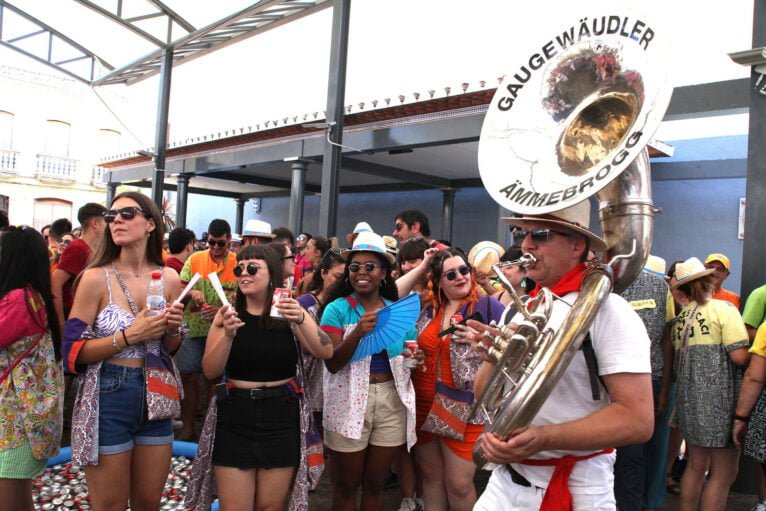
{"points": [[56, 167], [8, 161], [97, 178]]}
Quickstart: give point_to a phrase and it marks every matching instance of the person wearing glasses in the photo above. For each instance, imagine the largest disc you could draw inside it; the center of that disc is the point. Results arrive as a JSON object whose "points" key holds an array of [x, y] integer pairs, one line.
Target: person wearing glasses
{"points": [[445, 464], [256, 428], [369, 403], [200, 311], [31, 381], [107, 338], [564, 458]]}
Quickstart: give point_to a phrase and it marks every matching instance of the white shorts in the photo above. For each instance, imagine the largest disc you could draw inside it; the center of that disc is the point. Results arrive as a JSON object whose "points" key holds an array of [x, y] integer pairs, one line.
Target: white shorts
{"points": [[502, 494]]}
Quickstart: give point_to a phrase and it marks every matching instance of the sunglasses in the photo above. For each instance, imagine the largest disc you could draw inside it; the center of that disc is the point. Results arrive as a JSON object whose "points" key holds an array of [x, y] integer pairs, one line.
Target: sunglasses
{"points": [[398, 227], [291, 256], [220, 243], [538, 235], [300, 238], [128, 213], [251, 269], [452, 274], [368, 267]]}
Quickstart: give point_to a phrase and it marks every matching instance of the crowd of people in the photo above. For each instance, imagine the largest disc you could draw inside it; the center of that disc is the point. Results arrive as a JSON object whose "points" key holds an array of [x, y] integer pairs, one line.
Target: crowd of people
{"points": [[157, 328]]}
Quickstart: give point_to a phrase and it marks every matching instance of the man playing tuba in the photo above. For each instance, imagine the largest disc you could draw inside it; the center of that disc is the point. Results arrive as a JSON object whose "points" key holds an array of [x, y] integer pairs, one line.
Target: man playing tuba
{"points": [[564, 459]]}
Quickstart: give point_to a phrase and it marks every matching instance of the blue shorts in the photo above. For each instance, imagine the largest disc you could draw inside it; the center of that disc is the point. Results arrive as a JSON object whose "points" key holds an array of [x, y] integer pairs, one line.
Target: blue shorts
{"points": [[189, 356], [122, 420]]}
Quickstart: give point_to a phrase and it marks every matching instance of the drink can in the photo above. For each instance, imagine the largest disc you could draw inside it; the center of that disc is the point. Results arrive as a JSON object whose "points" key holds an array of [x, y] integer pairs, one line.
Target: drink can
{"points": [[410, 348], [453, 320], [279, 293]]}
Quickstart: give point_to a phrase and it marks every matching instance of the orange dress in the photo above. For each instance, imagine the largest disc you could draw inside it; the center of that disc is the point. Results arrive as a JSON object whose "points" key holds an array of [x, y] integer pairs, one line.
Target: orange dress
{"points": [[425, 388]]}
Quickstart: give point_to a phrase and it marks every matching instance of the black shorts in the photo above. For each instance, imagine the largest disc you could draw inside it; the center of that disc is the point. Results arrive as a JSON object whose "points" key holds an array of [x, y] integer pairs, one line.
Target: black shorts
{"points": [[258, 429]]}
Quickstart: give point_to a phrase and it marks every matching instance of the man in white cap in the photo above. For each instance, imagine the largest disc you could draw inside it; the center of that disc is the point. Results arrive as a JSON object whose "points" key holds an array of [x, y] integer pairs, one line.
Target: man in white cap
{"points": [[564, 459], [257, 232]]}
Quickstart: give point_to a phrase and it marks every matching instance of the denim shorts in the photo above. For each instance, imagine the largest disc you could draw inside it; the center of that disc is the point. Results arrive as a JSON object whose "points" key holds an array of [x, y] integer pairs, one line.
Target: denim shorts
{"points": [[189, 356], [122, 420]]}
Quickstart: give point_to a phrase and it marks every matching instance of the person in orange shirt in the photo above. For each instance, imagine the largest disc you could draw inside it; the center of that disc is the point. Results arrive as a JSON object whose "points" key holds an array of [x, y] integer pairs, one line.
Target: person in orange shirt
{"points": [[721, 264]]}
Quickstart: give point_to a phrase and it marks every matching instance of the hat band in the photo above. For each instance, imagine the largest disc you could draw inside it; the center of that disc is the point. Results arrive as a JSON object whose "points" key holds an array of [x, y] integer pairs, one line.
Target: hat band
{"points": [[552, 217], [368, 247]]}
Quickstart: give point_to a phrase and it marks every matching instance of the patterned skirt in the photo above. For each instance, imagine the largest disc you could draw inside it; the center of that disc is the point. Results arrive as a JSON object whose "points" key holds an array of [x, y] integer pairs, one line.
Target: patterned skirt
{"points": [[755, 439]]}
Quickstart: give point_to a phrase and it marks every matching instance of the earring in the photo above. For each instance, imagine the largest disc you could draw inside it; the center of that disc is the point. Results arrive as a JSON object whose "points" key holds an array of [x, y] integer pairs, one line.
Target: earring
{"points": [[382, 283]]}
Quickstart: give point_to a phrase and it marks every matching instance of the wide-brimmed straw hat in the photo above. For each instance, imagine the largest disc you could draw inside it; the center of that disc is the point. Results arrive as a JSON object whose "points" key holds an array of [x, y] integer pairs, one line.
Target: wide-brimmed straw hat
{"points": [[574, 218], [258, 228], [484, 254], [657, 266], [368, 242], [689, 270], [360, 227]]}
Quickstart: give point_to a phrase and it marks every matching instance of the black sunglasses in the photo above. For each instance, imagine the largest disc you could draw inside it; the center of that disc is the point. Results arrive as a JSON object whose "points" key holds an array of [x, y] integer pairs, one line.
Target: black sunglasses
{"points": [[538, 235], [220, 243], [128, 213], [452, 274], [251, 269], [368, 267], [398, 227], [291, 256]]}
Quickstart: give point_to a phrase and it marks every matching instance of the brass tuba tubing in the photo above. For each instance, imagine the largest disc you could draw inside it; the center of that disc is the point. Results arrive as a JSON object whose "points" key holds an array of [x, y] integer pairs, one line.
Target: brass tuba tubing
{"points": [[523, 261]]}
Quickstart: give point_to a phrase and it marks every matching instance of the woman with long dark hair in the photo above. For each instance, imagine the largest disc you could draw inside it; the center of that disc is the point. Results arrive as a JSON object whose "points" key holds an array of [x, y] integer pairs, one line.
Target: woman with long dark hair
{"points": [[121, 429], [711, 343], [445, 463], [369, 403], [327, 272], [31, 379], [257, 439]]}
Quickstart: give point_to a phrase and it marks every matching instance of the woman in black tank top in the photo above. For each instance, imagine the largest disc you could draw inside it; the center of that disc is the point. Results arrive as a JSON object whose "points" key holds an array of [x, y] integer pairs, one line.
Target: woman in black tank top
{"points": [[256, 450]]}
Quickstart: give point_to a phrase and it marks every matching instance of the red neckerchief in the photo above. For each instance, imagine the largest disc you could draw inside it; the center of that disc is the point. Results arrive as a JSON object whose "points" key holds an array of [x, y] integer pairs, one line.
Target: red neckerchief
{"points": [[557, 495], [571, 281]]}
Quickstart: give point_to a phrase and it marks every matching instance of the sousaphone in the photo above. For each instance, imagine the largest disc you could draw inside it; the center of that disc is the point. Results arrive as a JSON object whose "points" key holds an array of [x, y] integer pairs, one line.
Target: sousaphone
{"points": [[572, 120]]}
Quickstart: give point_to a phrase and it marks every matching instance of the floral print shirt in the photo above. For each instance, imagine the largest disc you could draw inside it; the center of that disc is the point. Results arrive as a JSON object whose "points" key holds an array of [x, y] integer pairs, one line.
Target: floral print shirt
{"points": [[32, 394]]}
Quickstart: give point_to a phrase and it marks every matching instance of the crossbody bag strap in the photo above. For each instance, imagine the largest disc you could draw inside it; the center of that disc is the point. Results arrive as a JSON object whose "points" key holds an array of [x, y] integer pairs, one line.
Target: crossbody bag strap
{"points": [[125, 291]]}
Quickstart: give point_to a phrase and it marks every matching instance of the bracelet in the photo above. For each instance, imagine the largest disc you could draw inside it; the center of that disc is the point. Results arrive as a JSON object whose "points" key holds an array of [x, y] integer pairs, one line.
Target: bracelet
{"points": [[115, 343], [303, 318], [125, 337], [175, 334], [742, 418]]}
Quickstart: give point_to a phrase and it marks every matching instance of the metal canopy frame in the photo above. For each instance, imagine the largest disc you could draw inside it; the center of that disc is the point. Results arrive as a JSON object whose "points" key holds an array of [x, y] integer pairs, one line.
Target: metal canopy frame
{"points": [[55, 40], [258, 18]]}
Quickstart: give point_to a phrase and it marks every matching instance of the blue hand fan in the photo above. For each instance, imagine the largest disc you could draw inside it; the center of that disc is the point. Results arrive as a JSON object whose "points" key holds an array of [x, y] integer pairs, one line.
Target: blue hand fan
{"points": [[394, 320]]}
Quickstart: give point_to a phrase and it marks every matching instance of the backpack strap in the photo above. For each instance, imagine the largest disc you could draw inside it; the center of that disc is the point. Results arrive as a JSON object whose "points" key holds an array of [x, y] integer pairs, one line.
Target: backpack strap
{"points": [[592, 364]]}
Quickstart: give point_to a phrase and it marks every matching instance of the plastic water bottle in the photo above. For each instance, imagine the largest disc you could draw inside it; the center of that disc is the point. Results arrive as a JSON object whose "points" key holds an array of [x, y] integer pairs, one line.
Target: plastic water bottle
{"points": [[155, 295]]}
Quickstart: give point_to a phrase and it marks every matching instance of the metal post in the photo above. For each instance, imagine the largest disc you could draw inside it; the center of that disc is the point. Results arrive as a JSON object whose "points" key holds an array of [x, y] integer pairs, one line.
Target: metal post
{"points": [[503, 230], [182, 198], [753, 269], [111, 191], [336, 91], [448, 206], [240, 215], [161, 136], [297, 190]]}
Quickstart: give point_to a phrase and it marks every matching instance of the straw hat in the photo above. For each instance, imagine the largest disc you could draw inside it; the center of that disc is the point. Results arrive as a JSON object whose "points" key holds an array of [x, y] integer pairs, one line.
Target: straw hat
{"points": [[691, 269], [360, 227], [258, 228], [391, 245], [574, 218], [484, 254], [369, 242], [656, 265]]}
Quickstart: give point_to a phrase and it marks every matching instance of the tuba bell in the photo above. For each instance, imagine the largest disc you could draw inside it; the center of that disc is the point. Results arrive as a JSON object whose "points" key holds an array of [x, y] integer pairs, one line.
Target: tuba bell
{"points": [[572, 121]]}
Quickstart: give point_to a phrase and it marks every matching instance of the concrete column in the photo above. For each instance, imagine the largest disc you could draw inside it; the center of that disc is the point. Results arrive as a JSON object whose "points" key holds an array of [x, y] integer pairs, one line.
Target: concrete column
{"points": [[448, 207], [182, 198], [111, 191], [503, 229], [161, 134], [297, 191], [239, 220]]}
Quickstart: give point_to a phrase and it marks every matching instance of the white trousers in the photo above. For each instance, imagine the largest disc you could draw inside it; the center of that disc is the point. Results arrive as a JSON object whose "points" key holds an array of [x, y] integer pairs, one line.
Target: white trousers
{"points": [[502, 494]]}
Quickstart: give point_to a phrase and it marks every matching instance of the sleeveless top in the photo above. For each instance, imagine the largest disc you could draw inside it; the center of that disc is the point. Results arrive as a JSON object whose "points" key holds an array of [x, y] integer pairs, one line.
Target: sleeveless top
{"points": [[113, 318], [258, 354]]}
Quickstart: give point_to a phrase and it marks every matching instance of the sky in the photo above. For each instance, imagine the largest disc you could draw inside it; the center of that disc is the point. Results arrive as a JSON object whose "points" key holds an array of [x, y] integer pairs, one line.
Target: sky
{"points": [[395, 47]]}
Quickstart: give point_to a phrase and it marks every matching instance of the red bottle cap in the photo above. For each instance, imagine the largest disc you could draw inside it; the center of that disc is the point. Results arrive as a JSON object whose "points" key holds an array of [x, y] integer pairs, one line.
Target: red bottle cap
{"points": [[156, 275]]}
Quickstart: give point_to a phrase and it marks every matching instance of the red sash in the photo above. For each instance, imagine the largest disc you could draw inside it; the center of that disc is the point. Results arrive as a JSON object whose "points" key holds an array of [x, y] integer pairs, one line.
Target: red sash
{"points": [[571, 281], [557, 496]]}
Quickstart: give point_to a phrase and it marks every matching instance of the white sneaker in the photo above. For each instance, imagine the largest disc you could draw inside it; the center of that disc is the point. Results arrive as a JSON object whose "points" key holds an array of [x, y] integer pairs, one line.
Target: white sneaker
{"points": [[413, 504], [759, 506]]}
